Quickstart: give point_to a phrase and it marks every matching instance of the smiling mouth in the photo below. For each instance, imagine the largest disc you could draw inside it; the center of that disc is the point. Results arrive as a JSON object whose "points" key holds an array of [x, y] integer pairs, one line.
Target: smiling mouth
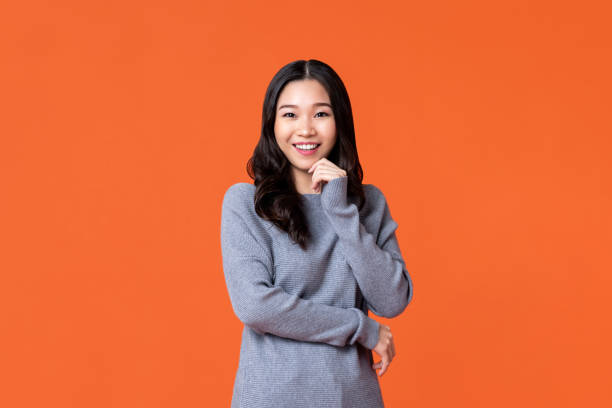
{"points": [[313, 147]]}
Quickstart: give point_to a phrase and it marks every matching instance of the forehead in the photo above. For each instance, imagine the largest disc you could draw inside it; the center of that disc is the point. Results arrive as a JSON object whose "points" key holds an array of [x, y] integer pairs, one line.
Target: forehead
{"points": [[303, 92]]}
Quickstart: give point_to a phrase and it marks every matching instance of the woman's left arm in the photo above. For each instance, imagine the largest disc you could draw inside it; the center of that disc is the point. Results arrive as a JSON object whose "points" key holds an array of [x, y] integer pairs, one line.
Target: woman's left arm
{"points": [[376, 262]]}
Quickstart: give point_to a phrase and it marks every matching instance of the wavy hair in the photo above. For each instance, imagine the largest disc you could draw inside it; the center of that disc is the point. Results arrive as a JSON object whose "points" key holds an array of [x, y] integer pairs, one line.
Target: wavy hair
{"points": [[276, 198]]}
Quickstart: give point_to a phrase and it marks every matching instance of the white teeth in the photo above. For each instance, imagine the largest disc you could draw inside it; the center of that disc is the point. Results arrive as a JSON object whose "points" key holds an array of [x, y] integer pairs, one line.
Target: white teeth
{"points": [[306, 146]]}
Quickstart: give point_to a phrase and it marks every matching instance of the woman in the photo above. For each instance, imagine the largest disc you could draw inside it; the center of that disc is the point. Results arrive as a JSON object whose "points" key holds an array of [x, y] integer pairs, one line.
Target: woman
{"points": [[307, 251]]}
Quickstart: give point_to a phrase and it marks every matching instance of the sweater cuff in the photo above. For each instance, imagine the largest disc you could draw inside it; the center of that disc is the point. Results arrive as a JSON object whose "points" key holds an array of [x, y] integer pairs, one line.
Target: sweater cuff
{"points": [[334, 192], [367, 332]]}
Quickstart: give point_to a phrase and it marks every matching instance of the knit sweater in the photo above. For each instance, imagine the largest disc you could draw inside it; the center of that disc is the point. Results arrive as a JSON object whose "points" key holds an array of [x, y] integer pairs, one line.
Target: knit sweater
{"points": [[307, 336]]}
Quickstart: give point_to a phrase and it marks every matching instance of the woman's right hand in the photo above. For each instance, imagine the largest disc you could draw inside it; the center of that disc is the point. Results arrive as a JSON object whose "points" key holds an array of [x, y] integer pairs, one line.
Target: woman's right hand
{"points": [[385, 349]]}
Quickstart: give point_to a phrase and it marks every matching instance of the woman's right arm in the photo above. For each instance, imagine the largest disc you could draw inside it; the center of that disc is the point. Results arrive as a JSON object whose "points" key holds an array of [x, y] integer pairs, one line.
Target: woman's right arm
{"points": [[269, 309]]}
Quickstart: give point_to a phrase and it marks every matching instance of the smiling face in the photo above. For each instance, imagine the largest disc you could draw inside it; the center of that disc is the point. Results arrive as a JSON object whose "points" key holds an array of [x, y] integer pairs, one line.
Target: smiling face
{"points": [[304, 128]]}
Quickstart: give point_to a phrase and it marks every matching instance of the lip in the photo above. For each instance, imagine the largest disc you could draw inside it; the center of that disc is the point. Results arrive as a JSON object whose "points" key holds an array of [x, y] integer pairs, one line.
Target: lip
{"points": [[306, 152]]}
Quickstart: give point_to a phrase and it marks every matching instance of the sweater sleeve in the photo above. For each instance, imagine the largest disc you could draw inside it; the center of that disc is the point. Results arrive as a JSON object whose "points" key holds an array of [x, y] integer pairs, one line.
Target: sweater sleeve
{"points": [[376, 261], [266, 308]]}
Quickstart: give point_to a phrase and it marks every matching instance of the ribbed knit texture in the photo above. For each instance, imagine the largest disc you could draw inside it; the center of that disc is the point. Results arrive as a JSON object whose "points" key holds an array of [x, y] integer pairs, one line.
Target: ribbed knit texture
{"points": [[307, 336]]}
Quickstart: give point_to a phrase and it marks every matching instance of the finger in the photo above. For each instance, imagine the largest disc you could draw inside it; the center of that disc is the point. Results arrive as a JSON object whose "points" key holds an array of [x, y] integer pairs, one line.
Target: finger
{"points": [[324, 163], [318, 170], [322, 175], [377, 365], [315, 164], [318, 181], [385, 365], [389, 343], [329, 173], [318, 185]]}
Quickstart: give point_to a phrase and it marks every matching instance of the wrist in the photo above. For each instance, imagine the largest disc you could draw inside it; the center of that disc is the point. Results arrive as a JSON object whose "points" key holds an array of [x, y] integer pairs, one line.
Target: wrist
{"points": [[367, 331], [334, 192]]}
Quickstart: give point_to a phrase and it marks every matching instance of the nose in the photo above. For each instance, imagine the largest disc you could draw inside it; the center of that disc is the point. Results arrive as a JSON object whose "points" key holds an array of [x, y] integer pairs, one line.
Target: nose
{"points": [[305, 132], [306, 128]]}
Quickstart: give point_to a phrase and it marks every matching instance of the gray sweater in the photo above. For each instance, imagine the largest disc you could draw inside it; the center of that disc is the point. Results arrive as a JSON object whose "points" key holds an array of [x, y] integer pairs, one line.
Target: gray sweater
{"points": [[307, 336]]}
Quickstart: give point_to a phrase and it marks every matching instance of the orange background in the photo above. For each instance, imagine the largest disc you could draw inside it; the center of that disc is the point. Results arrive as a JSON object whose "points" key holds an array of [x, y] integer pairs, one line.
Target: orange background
{"points": [[486, 125]]}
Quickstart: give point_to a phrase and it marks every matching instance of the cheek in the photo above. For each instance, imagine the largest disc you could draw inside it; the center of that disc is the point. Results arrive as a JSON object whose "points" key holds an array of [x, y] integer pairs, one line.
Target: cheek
{"points": [[280, 132], [330, 130]]}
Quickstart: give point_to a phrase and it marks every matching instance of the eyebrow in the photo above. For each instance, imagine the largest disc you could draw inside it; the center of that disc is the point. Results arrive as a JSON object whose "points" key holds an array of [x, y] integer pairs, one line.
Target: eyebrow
{"points": [[314, 104]]}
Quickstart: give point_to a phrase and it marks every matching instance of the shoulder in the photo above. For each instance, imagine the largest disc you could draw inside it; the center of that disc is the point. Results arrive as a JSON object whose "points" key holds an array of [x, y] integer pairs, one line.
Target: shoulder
{"points": [[242, 230], [376, 209], [375, 199], [372, 190], [239, 195], [239, 203], [376, 213]]}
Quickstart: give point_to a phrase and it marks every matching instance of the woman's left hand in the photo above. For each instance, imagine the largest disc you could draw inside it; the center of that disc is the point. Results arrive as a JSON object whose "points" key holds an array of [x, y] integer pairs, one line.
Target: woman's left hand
{"points": [[323, 171]]}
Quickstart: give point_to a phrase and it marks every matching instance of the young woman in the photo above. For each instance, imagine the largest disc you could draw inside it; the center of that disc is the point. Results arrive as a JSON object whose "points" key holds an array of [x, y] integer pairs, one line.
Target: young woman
{"points": [[307, 251]]}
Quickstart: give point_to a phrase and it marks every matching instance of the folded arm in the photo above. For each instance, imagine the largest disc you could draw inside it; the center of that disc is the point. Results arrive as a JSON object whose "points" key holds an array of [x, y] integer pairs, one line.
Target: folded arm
{"points": [[267, 308], [376, 261]]}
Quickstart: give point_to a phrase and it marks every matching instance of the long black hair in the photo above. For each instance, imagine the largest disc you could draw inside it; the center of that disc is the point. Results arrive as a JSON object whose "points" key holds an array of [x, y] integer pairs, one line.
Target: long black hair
{"points": [[276, 198]]}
